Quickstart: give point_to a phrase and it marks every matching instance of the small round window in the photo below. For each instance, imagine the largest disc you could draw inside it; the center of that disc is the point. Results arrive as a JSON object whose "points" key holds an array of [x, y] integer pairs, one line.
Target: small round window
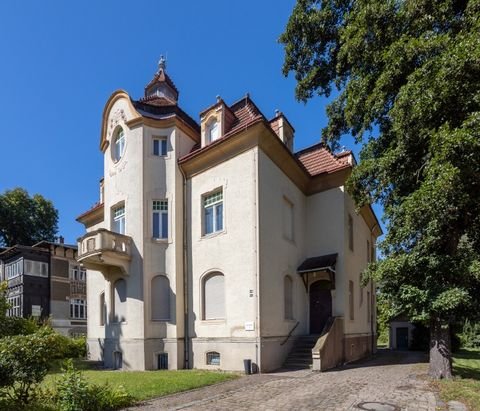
{"points": [[118, 145]]}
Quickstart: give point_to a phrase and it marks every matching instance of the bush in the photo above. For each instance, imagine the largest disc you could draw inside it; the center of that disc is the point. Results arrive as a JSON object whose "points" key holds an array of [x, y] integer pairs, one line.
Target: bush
{"points": [[72, 347], [24, 362], [75, 394], [470, 335]]}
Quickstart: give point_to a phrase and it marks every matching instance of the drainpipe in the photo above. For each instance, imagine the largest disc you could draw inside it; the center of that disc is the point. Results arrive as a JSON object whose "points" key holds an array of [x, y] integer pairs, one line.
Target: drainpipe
{"points": [[371, 293], [186, 342], [258, 342]]}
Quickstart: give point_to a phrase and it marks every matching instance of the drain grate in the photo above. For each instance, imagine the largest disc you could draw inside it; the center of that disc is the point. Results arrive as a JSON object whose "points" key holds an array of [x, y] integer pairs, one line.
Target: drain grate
{"points": [[377, 406]]}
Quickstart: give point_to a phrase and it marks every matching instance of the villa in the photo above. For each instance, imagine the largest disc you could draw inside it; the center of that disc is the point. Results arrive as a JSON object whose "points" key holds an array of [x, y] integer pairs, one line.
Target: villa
{"points": [[214, 242]]}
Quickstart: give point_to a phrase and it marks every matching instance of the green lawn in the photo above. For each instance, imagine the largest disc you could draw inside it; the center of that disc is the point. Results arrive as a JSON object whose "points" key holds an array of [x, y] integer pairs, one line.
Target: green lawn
{"points": [[148, 384], [465, 387]]}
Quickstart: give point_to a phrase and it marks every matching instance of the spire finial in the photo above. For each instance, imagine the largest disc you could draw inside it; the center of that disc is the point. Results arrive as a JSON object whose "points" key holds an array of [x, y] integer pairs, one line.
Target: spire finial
{"points": [[162, 63]]}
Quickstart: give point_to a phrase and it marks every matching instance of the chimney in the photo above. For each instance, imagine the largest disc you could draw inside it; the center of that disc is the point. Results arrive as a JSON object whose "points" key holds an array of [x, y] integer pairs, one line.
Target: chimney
{"points": [[283, 129], [61, 240]]}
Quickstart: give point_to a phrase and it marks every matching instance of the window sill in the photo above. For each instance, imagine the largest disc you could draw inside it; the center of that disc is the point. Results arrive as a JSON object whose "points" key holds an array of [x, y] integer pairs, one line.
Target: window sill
{"points": [[211, 235], [160, 240], [213, 322], [161, 321]]}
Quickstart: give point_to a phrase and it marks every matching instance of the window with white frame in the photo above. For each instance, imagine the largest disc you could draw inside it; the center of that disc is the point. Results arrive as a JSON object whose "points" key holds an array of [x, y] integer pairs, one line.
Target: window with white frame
{"points": [[15, 309], [78, 273], [14, 269], [160, 146], [118, 219], [78, 308], [36, 268], [213, 212], [118, 145], [212, 130], [288, 218], [214, 297], [160, 219]]}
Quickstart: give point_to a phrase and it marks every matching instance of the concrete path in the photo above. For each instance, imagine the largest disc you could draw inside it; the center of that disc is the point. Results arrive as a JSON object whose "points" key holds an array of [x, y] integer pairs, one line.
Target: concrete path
{"points": [[392, 381]]}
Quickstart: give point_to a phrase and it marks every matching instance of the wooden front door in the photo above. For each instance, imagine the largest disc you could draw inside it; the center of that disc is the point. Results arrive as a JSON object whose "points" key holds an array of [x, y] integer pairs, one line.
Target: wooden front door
{"points": [[320, 306]]}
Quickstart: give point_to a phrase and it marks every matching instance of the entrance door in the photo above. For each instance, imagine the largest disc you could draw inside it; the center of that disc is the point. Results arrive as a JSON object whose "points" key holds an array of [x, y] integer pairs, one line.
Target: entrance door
{"points": [[320, 306], [402, 338]]}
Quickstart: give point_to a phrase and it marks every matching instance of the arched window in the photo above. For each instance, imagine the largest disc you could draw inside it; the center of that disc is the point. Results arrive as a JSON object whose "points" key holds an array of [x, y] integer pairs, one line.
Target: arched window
{"points": [[288, 297], [160, 298], [120, 301], [118, 145], [212, 130], [103, 309], [214, 297]]}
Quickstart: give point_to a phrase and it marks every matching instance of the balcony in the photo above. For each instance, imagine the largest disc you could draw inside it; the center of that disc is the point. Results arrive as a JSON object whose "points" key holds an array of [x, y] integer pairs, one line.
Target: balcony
{"points": [[105, 251]]}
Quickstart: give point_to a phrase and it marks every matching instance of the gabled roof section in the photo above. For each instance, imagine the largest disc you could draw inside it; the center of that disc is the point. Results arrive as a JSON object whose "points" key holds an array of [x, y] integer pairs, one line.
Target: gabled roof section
{"points": [[245, 112], [162, 79], [318, 159]]}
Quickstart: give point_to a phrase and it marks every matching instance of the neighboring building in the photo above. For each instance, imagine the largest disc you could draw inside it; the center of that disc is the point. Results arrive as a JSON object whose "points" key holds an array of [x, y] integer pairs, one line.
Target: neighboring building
{"points": [[213, 242], [46, 281], [401, 333]]}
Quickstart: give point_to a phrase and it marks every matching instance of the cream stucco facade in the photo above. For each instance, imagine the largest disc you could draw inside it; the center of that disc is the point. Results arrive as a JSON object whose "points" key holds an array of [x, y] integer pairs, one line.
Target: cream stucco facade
{"points": [[215, 220]]}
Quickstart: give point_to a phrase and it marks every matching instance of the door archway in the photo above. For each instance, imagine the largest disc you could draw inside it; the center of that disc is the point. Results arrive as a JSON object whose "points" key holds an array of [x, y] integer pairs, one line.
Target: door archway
{"points": [[320, 305]]}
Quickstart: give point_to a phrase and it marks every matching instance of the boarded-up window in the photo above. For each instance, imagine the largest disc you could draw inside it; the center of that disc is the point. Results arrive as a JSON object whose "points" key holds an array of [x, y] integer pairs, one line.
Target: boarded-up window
{"points": [[369, 307], [160, 298], [288, 297], [214, 297], [120, 301], [351, 300], [350, 232], [103, 309], [288, 228]]}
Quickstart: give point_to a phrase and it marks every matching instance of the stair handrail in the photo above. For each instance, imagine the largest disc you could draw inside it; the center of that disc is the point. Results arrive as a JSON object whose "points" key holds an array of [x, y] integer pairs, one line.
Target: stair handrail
{"points": [[290, 333]]}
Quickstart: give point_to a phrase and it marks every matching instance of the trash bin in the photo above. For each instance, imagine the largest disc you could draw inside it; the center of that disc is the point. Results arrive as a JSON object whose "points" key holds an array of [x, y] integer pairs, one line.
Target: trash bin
{"points": [[247, 364]]}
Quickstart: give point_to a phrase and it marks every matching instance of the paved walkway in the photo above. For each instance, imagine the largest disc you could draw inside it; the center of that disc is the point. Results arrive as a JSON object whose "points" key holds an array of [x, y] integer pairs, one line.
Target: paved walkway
{"points": [[396, 380]]}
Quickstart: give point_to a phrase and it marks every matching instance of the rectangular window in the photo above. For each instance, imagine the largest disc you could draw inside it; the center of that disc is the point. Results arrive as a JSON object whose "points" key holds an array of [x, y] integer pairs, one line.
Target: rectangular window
{"points": [[160, 219], [360, 288], [78, 273], [162, 361], [351, 300], [288, 219], [369, 253], [14, 269], [78, 309], [15, 309], [213, 358], [118, 219], [213, 213], [350, 232], [160, 146]]}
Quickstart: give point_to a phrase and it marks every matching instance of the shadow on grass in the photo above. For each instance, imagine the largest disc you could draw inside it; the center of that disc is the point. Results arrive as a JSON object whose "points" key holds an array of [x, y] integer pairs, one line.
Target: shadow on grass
{"points": [[467, 364]]}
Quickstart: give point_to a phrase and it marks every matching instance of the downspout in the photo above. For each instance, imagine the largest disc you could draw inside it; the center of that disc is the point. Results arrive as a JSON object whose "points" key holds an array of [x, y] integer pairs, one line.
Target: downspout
{"points": [[186, 342]]}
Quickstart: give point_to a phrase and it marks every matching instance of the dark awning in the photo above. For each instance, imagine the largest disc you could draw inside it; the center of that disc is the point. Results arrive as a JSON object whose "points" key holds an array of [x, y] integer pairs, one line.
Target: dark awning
{"points": [[320, 263]]}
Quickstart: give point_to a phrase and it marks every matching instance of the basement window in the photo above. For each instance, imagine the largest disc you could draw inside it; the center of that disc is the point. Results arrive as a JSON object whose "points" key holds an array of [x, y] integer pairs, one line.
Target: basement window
{"points": [[213, 358]]}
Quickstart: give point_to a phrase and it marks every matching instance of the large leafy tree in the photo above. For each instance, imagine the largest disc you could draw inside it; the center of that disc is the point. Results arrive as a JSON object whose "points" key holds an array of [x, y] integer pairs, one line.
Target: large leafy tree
{"points": [[26, 219], [407, 81]]}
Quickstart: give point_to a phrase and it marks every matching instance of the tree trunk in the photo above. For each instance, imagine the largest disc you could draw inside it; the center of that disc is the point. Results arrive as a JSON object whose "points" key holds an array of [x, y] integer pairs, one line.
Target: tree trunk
{"points": [[440, 351]]}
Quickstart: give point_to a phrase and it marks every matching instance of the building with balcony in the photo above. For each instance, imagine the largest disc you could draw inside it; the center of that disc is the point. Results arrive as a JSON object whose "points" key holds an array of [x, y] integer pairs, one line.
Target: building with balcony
{"points": [[214, 241], [46, 281]]}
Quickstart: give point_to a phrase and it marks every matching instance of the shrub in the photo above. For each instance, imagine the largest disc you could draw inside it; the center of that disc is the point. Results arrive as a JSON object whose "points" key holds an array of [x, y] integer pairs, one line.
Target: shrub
{"points": [[75, 394], [470, 335], [24, 362]]}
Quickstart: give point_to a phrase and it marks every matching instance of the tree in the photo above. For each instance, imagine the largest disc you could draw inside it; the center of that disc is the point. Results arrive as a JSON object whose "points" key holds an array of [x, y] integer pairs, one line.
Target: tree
{"points": [[407, 75], [26, 220]]}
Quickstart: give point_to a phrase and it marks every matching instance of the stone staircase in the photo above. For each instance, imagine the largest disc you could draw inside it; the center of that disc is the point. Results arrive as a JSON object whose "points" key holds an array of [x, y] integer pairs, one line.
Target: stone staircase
{"points": [[300, 357]]}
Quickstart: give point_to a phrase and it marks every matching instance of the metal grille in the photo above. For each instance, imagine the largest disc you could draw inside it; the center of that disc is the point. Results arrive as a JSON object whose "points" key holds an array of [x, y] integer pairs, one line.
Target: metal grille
{"points": [[213, 358]]}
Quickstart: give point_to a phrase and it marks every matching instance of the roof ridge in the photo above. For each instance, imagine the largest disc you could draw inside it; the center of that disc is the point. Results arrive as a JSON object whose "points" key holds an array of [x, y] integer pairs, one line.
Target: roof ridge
{"points": [[311, 148]]}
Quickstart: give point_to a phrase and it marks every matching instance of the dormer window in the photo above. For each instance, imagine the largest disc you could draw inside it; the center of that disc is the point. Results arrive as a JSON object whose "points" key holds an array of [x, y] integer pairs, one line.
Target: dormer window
{"points": [[118, 146], [213, 131]]}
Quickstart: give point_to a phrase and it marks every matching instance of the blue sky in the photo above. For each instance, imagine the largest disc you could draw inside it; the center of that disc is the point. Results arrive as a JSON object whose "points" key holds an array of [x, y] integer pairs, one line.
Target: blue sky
{"points": [[61, 60]]}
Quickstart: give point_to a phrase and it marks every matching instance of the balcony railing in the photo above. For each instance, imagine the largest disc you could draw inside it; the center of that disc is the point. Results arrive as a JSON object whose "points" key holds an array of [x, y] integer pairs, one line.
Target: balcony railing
{"points": [[101, 249]]}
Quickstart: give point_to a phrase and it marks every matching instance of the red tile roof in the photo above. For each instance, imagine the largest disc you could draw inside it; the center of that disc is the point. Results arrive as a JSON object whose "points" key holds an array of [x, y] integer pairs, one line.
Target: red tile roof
{"points": [[161, 77], [94, 208], [317, 159]]}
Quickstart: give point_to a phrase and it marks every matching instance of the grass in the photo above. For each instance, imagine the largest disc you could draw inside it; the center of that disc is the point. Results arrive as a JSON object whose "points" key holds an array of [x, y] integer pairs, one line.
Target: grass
{"points": [[465, 386], [143, 385]]}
